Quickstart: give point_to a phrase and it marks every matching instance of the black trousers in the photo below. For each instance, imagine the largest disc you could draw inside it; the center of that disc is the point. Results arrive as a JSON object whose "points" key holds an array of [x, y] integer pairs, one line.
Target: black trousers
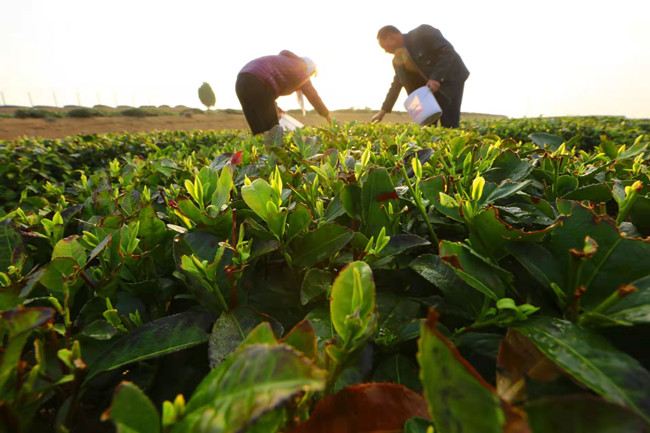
{"points": [[258, 102], [449, 96]]}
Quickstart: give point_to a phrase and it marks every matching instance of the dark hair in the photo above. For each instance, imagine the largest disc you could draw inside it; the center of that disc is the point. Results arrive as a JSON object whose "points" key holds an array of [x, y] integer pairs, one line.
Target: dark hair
{"points": [[387, 30]]}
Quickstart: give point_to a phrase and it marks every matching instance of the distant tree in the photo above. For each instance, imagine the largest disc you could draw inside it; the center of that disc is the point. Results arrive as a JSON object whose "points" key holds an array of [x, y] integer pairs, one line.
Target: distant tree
{"points": [[206, 95]]}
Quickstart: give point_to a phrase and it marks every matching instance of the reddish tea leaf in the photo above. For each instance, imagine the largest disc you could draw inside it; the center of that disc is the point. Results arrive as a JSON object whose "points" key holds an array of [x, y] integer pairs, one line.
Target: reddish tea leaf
{"points": [[452, 260], [302, 338], [365, 408], [387, 196], [236, 159], [519, 357]]}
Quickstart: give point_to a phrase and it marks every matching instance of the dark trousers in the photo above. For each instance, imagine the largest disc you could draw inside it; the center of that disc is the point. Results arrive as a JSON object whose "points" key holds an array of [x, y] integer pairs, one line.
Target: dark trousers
{"points": [[449, 96], [258, 102]]}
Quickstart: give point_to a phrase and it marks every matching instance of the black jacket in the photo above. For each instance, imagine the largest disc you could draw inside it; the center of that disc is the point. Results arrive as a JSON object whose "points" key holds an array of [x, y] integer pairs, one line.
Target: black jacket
{"points": [[435, 59]]}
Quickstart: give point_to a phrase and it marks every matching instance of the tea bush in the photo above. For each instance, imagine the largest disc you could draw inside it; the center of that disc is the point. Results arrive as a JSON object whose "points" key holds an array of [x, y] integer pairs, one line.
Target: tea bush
{"points": [[359, 277]]}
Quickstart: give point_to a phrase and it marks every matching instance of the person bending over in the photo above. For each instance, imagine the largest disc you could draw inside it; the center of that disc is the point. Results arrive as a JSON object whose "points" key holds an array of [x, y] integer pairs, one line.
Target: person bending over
{"points": [[261, 81], [423, 57]]}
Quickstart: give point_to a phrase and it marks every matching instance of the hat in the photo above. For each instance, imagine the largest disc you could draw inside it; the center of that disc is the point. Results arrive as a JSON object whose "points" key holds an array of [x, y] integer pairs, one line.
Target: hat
{"points": [[311, 66]]}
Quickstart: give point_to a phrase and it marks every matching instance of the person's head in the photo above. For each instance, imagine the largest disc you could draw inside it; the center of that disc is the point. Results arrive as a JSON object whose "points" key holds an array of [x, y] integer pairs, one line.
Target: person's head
{"points": [[390, 39], [311, 66]]}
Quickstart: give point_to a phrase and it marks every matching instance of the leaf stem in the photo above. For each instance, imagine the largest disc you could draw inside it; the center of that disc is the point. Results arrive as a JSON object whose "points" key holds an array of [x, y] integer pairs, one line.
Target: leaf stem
{"points": [[420, 206]]}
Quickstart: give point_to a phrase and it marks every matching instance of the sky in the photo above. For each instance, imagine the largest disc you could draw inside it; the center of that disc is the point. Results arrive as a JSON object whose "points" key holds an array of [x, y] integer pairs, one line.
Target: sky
{"points": [[526, 59]]}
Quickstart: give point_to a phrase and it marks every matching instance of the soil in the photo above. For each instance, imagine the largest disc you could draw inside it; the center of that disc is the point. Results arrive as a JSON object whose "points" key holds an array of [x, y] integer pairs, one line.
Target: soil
{"points": [[54, 127], [180, 118]]}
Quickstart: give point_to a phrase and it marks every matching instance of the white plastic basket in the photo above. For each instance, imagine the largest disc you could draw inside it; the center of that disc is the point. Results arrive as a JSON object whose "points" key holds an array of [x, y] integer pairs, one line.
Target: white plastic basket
{"points": [[289, 123], [423, 107]]}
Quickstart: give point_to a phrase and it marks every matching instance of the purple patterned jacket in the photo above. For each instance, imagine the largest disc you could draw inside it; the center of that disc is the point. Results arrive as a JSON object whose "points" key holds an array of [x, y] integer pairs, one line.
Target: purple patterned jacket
{"points": [[285, 73]]}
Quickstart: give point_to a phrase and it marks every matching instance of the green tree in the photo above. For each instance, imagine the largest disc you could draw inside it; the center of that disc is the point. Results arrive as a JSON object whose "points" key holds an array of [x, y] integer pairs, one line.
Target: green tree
{"points": [[206, 95]]}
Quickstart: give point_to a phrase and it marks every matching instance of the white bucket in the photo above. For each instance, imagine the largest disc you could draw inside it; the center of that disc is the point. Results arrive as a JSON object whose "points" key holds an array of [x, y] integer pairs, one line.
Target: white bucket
{"points": [[289, 123], [423, 107]]}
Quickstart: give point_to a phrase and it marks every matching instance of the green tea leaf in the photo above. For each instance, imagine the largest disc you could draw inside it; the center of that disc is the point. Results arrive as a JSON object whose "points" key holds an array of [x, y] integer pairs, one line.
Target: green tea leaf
{"points": [[70, 248], [432, 187], [351, 201], [619, 260], [377, 194], [10, 240], [320, 244], [220, 225], [633, 308], [457, 146], [489, 234], [400, 370], [303, 338], [570, 414], [277, 223], [508, 166], [18, 324], [156, 338], [453, 389], [545, 140], [315, 283], [57, 270], [640, 215], [257, 195], [455, 290], [352, 306], [592, 361], [475, 270], [597, 193], [565, 185], [505, 189], [321, 321], [299, 220], [250, 383], [540, 262], [608, 147], [152, 229], [232, 328], [395, 312], [261, 334], [132, 411], [400, 243], [418, 425], [221, 194]]}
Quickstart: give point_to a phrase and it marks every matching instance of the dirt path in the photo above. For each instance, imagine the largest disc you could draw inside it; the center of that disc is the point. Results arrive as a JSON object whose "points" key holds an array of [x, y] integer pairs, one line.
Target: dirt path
{"points": [[12, 128]]}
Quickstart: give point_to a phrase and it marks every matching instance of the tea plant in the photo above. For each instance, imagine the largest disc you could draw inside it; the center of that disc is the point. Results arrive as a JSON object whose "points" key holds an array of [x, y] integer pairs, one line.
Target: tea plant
{"points": [[369, 276]]}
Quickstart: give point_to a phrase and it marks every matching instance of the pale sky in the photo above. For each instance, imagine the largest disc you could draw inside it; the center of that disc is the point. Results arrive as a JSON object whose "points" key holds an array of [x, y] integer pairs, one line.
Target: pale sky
{"points": [[550, 58]]}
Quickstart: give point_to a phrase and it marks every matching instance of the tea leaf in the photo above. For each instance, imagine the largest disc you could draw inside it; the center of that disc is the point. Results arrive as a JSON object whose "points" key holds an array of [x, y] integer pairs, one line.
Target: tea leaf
{"points": [[376, 195], [365, 408], [158, 337], [570, 414], [454, 391], [592, 361], [320, 244], [132, 411], [10, 240], [251, 382], [232, 328], [257, 195], [353, 303]]}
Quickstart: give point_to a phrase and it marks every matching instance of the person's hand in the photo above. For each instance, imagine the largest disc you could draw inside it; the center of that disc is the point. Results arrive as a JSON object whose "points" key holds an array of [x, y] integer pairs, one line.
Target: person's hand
{"points": [[378, 117], [434, 85], [328, 118]]}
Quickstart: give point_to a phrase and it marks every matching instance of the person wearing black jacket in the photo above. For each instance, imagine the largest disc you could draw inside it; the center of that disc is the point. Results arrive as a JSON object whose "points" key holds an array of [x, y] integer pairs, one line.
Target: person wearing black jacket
{"points": [[423, 57]]}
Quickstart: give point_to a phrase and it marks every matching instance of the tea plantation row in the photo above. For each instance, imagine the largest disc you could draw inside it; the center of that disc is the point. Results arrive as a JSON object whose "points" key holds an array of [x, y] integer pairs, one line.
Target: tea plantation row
{"points": [[350, 278]]}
